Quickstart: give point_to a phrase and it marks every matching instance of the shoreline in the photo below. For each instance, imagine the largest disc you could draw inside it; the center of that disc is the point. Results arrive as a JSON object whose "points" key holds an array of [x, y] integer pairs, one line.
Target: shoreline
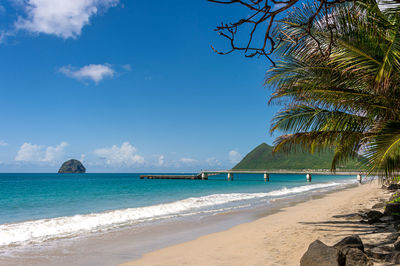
{"points": [[130, 243], [280, 238]]}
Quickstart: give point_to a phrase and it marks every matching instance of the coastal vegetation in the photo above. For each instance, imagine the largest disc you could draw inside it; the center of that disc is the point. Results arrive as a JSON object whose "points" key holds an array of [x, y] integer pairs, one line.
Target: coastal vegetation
{"points": [[339, 83], [335, 69], [263, 158]]}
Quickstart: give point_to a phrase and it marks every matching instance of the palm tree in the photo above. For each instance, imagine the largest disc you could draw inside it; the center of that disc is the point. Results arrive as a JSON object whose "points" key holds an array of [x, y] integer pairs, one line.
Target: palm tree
{"points": [[339, 80]]}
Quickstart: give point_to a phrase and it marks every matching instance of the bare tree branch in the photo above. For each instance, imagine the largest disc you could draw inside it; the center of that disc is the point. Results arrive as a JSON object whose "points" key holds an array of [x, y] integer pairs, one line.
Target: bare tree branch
{"points": [[264, 14]]}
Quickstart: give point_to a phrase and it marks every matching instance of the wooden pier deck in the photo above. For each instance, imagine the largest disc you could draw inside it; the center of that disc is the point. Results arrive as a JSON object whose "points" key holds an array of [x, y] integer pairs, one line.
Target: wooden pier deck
{"points": [[190, 177], [204, 174]]}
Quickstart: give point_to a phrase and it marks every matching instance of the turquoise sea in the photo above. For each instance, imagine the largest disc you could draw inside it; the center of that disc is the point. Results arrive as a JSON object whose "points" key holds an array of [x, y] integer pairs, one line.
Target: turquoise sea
{"points": [[35, 208]]}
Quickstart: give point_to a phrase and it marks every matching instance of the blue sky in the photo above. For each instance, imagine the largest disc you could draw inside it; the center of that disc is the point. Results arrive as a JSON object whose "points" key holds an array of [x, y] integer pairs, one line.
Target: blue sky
{"points": [[126, 86]]}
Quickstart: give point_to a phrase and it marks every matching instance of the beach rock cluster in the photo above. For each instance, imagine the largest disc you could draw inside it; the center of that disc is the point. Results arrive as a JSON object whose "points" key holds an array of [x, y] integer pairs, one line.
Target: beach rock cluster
{"points": [[382, 233], [374, 216], [347, 252], [393, 187], [320, 254], [72, 167]]}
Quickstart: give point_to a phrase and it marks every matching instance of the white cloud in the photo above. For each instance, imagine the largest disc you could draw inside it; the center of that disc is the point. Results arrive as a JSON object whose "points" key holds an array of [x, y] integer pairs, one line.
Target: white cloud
{"points": [[53, 153], [94, 72], [63, 18], [120, 156], [161, 160], [29, 152], [234, 156], [3, 143], [188, 160], [213, 162]]}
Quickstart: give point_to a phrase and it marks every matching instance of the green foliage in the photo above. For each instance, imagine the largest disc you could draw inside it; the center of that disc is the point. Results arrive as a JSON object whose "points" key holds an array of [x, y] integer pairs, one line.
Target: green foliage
{"points": [[340, 85], [396, 179], [396, 198], [262, 157]]}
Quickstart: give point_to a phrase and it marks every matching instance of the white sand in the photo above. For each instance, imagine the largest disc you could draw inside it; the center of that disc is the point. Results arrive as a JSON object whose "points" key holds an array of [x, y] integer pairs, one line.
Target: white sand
{"points": [[277, 239]]}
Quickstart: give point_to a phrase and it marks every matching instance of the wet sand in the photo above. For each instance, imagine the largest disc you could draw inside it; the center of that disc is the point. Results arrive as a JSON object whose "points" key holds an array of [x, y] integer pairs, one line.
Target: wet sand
{"points": [[277, 239]]}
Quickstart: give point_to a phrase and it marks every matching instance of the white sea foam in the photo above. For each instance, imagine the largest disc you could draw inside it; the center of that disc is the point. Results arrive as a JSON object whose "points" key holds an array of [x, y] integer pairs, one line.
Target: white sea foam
{"points": [[294, 190], [41, 230]]}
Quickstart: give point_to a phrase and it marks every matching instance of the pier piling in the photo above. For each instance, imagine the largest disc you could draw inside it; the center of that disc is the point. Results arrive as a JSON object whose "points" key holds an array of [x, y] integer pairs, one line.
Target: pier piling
{"points": [[204, 176], [230, 176], [359, 178]]}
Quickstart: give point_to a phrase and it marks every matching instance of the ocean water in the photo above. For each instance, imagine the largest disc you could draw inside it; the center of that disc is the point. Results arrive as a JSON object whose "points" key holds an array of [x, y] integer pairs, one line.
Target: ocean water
{"points": [[36, 208]]}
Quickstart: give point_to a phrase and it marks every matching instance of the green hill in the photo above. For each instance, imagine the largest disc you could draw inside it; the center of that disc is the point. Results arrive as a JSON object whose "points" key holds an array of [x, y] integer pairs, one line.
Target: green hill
{"points": [[262, 158]]}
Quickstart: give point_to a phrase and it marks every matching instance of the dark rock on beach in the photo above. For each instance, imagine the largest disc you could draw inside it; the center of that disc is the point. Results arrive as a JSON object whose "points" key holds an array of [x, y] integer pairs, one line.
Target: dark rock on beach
{"points": [[387, 219], [397, 244], [349, 252], [379, 253], [393, 187], [72, 167], [395, 258], [393, 209], [382, 237], [320, 254], [355, 257], [353, 241], [374, 216]]}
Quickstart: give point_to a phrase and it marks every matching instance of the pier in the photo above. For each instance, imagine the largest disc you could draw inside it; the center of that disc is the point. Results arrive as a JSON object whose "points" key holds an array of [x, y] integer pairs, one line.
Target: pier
{"points": [[231, 173], [190, 177], [204, 174]]}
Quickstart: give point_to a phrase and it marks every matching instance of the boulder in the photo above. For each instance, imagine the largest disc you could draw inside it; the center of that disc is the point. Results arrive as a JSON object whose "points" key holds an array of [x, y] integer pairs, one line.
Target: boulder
{"points": [[393, 209], [353, 241], [397, 244], [395, 257], [392, 236], [320, 254], [374, 216], [393, 187], [387, 219], [72, 167], [355, 257], [379, 253]]}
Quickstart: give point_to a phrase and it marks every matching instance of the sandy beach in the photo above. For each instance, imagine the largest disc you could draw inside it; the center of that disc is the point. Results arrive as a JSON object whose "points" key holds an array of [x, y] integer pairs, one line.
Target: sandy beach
{"points": [[280, 238]]}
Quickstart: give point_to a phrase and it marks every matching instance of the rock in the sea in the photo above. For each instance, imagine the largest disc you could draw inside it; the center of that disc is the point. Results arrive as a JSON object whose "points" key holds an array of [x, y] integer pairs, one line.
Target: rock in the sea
{"points": [[320, 254], [355, 257], [353, 241], [72, 167]]}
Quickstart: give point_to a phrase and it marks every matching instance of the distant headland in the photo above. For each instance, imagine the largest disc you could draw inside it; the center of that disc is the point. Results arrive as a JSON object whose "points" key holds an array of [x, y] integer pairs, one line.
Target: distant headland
{"points": [[263, 158], [72, 167]]}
